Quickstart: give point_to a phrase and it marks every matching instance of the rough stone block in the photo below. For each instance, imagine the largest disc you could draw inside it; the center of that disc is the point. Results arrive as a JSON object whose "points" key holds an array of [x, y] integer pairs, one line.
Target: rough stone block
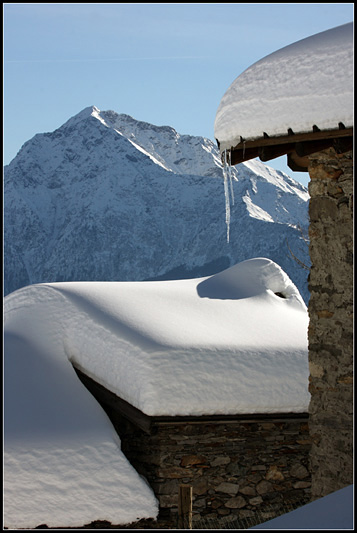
{"points": [[236, 503], [274, 474], [227, 488], [256, 501], [264, 486]]}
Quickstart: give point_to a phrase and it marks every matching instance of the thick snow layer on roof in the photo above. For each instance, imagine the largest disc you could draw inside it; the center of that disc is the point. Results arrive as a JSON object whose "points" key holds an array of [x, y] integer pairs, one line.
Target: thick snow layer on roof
{"points": [[307, 83], [225, 344]]}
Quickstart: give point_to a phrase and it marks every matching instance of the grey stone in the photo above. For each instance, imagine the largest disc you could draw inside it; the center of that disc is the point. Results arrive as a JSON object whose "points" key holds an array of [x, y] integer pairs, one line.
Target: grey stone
{"points": [[264, 486], [302, 484], [219, 461], [227, 488], [236, 503], [200, 486], [256, 501], [216, 503], [244, 513], [258, 467], [236, 469], [248, 491], [299, 471], [274, 474], [223, 512], [168, 500], [167, 487]]}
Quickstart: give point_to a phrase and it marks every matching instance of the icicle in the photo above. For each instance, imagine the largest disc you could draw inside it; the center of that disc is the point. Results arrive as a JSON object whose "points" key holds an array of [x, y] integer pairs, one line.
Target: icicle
{"points": [[227, 177], [226, 195], [230, 175]]}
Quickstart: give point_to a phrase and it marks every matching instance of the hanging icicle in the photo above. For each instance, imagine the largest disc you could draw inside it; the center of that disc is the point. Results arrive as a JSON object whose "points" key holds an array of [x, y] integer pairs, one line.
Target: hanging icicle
{"points": [[226, 192], [228, 187]]}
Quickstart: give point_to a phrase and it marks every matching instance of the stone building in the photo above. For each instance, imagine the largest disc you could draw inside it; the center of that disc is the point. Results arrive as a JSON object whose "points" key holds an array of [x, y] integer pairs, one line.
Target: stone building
{"points": [[298, 101], [242, 468], [209, 390]]}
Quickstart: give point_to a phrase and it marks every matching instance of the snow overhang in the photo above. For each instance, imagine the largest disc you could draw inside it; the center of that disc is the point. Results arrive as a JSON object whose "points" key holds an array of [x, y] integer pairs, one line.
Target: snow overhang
{"points": [[117, 407], [296, 101]]}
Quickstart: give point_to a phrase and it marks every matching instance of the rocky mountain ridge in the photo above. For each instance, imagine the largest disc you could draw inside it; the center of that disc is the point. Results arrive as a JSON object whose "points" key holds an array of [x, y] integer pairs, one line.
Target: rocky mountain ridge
{"points": [[106, 197]]}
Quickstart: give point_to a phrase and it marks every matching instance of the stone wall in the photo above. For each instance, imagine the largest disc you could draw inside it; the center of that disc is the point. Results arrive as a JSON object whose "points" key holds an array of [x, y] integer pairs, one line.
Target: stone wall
{"points": [[235, 467], [331, 320]]}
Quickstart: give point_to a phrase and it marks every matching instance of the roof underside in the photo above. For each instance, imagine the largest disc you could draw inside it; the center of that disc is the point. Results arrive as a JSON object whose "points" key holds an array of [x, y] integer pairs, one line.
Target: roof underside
{"points": [[297, 147]]}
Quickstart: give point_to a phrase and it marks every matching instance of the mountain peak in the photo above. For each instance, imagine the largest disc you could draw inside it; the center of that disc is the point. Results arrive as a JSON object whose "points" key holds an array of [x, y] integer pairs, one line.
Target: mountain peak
{"points": [[87, 112], [126, 121], [107, 197]]}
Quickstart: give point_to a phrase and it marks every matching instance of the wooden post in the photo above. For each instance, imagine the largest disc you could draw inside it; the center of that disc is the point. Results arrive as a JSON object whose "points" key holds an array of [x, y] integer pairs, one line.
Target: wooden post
{"points": [[185, 507]]}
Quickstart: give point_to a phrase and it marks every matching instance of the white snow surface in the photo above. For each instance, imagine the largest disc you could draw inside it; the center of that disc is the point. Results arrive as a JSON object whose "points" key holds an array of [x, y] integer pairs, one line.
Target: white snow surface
{"points": [[307, 83], [225, 344], [63, 464]]}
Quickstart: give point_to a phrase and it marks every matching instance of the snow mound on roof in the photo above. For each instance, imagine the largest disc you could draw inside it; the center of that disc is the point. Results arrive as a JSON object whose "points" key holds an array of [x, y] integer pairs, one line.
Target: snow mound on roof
{"points": [[251, 278], [307, 83]]}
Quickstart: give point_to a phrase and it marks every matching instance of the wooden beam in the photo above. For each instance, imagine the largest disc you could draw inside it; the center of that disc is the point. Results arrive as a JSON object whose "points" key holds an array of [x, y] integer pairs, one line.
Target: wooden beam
{"points": [[268, 148], [266, 153], [297, 163], [243, 154], [185, 507], [297, 137], [310, 147], [343, 144]]}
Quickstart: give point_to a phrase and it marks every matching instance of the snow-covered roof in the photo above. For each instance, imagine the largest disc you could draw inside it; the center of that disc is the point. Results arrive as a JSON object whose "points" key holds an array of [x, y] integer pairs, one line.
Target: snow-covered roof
{"points": [[225, 344], [308, 83]]}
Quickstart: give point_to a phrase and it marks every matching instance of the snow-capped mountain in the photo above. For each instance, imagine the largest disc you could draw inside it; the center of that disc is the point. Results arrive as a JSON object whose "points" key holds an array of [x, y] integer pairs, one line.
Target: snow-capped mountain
{"points": [[107, 197]]}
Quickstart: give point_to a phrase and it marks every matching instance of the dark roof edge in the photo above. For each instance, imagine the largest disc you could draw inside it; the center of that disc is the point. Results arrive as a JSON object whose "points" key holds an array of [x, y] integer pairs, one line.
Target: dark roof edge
{"points": [[298, 144], [146, 422], [315, 133]]}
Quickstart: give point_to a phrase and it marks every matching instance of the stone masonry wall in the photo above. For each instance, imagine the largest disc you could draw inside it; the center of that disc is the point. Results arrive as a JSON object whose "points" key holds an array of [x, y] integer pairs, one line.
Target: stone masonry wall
{"points": [[235, 468], [331, 320]]}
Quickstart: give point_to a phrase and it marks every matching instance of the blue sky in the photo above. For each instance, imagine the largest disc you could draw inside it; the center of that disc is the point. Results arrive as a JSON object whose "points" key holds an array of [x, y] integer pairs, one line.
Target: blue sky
{"points": [[167, 64]]}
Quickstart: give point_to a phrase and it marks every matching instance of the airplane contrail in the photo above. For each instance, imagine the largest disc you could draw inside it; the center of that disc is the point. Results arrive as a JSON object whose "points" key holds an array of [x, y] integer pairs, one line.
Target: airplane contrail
{"points": [[103, 59]]}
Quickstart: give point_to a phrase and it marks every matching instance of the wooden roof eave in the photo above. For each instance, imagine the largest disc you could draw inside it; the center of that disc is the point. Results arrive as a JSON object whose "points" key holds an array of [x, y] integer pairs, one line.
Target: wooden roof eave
{"points": [[296, 146]]}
